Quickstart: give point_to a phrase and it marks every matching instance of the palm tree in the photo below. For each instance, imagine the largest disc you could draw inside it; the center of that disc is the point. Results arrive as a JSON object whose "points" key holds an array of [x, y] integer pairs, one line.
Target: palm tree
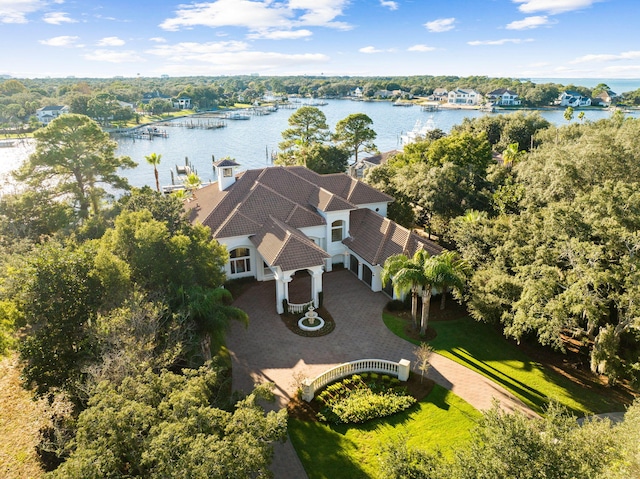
{"points": [[418, 275], [421, 274], [453, 272], [211, 311], [511, 155], [154, 159], [434, 274], [192, 183], [406, 276]]}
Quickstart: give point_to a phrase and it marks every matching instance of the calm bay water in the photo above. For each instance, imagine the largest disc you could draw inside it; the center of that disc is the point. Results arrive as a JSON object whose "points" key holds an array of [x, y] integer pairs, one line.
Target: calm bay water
{"points": [[251, 142]]}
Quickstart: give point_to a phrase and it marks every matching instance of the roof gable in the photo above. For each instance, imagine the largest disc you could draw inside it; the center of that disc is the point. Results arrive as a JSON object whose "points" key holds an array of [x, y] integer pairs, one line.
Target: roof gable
{"points": [[375, 238], [283, 246]]}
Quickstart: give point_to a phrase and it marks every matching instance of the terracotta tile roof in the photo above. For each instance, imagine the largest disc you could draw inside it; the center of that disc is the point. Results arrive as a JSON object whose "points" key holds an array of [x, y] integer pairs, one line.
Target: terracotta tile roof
{"points": [[225, 162], [374, 238], [286, 247], [340, 184], [291, 194]]}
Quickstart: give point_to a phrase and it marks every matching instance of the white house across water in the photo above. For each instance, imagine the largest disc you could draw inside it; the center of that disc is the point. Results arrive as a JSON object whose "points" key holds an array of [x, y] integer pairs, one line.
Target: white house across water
{"points": [[276, 221]]}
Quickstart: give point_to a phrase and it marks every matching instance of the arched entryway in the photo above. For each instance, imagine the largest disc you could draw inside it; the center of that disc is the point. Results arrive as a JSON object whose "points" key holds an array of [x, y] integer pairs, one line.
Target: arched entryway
{"points": [[353, 265], [300, 287], [367, 274]]}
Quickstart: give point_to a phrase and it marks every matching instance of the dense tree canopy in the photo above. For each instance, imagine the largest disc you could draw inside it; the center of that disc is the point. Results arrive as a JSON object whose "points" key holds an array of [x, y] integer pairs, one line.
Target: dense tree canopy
{"points": [[514, 446], [172, 425], [73, 158], [355, 134], [307, 125], [566, 261]]}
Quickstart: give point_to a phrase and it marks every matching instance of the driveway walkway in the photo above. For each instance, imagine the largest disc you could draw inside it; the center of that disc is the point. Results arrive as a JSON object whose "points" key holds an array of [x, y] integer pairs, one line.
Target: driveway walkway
{"points": [[268, 351]]}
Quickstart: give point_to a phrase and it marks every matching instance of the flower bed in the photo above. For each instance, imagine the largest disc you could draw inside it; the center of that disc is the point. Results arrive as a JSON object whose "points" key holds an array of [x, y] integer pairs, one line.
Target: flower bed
{"points": [[360, 398]]}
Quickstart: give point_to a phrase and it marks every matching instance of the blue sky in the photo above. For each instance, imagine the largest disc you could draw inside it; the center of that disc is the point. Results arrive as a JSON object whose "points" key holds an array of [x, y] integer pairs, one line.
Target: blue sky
{"points": [[500, 38]]}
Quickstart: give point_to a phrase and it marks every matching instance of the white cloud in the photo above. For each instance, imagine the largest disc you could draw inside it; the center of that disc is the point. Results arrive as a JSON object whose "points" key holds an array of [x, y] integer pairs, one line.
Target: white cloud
{"points": [[281, 34], [250, 61], [61, 41], [197, 51], [158, 39], [553, 7], [16, 11], [529, 23], [420, 48], [627, 70], [228, 56], [371, 49], [502, 41], [114, 56], [57, 18], [391, 5], [440, 25], [593, 58], [259, 15], [111, 42]]}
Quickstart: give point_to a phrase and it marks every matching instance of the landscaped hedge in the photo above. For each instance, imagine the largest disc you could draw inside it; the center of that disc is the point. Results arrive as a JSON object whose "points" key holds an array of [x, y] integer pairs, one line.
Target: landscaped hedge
{"points": [[360, 398]]}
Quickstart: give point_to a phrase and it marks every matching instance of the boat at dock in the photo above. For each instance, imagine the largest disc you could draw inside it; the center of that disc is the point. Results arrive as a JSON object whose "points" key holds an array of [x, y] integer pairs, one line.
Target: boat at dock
{"points": [[236, 115], [418, 132], [402, 103], [145, 133]]}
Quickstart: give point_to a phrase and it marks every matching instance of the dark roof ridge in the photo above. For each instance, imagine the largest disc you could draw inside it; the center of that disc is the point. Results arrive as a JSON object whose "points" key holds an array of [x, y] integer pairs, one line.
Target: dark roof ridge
{"points": [[388, 223]]}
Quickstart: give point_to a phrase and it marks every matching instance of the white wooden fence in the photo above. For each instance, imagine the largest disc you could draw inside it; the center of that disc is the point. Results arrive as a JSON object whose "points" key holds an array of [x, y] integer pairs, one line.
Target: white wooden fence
{"points": [[382, 366]]}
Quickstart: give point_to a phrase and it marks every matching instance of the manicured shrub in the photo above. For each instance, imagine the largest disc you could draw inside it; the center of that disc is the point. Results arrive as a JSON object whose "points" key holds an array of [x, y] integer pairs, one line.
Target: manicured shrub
{"points": [[355, 401], [395, 305]]}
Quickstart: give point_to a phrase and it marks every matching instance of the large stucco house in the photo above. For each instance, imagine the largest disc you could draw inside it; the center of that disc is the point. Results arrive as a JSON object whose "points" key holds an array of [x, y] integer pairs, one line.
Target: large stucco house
{"points": [[573, 99], [277, 221], [464, 96], [47, 114]]}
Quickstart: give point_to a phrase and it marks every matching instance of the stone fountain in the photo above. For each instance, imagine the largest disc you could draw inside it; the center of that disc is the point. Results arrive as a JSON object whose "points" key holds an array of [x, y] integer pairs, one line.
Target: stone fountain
{"points": [[311, 321]]}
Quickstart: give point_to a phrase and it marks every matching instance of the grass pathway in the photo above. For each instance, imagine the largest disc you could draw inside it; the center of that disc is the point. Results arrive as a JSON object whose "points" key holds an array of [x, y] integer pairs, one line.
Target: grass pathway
{"points": [[20, 422]]}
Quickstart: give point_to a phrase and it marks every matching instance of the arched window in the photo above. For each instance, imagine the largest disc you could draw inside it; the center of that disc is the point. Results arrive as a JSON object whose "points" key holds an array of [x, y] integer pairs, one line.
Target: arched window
{"points": [[239, 260], [337, 231]]}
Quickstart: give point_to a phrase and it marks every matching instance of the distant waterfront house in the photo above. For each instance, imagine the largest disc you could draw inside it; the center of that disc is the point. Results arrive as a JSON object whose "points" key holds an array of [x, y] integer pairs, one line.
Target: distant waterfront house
{"points": [[573, 99], [360, 168], [152, 95], [605, 98], [439, 94], [126, 104], [503, 97], [279, 221], [182, 103], [357, 93], [383, 94], [47, 114], [464, 96]]}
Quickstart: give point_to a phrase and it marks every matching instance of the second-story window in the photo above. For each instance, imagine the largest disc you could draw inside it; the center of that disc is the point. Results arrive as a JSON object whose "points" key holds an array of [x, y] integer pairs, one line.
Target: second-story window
{"points": [[337, 228]]}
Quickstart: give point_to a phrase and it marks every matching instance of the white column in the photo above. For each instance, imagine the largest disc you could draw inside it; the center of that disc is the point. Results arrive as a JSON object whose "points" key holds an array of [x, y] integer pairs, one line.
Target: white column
{"points": [[282, 289], [404, 366], [279, 295], [316, 285]]}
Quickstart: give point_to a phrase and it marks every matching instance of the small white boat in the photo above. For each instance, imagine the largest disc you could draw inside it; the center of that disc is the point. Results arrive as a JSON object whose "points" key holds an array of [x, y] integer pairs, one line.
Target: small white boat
{"points": [[237, 116]]}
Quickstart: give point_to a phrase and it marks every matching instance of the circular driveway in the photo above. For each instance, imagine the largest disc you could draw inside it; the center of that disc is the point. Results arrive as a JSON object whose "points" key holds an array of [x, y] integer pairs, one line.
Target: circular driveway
{"points": [[268, 351]]}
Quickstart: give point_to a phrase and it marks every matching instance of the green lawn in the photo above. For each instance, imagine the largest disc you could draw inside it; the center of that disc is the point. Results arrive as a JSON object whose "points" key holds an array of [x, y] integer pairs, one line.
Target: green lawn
{"points": [[440, 421], [479, 347]]}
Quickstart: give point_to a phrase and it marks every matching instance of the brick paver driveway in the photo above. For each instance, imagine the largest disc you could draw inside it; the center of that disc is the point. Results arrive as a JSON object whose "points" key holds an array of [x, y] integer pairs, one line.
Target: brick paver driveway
{"points": [[268, 351]]}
